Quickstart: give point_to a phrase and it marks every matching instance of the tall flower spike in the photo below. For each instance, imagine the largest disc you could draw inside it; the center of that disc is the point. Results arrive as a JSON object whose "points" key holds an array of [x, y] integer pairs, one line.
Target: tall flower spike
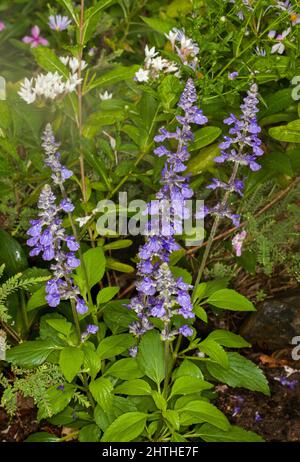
{"points": [[241, 148], [48, 236], [160, 294]]}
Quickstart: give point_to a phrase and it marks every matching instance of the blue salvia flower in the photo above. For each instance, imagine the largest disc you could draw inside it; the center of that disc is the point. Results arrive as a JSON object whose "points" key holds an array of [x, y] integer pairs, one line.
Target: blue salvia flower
{"points": [[160, 294], [48, 236], [242, 148]]}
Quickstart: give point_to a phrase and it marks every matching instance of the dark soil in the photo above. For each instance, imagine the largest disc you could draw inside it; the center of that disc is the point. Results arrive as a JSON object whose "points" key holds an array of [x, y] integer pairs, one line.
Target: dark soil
{"points": [[275, 418], [18, 428]]}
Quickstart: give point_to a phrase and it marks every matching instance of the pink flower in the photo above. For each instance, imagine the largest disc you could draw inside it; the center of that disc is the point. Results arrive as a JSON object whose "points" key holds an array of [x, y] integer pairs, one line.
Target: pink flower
{"points": [[237, 242], [2, 26], [35, 39]]}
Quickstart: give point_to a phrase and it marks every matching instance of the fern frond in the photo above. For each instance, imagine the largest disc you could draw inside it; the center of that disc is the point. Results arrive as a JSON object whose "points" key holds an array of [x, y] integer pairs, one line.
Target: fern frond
{"points": [[15, 283], [81, 399], [2, 267]]}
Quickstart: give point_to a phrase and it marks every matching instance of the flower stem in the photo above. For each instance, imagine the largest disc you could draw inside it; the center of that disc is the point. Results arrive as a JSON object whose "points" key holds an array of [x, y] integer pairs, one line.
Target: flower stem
{"points": [[76, 320], [79, 98], [214, 231]]}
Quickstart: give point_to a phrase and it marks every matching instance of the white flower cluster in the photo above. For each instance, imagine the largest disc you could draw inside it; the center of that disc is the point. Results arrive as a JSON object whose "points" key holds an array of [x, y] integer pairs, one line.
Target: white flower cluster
{"points": [[154, 65], [185, 47], [52, 84]]}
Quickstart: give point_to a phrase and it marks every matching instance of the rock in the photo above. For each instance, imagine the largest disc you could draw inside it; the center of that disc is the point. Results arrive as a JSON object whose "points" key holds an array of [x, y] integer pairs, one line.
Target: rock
{"points": [[275, 323]]}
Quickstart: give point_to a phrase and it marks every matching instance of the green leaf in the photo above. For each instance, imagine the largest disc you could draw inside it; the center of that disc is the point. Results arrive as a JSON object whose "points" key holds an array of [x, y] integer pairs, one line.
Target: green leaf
{"points": [[172, 417], [37, 299], [118, 266], [228, 339], [187, 385], [94, 261], [240, 373], [70, 361], [31, 353], [214, 351], [114, 345], [89, 434], [200, 313], [201, 411], [92, 362], [98, 120], [116, 245], [106, 294], [289, 133], [134, 387], [204, 160], [12, 254], [188, 368], [162, 26], [42, 437], [102, 392], [160, 401], [234, 434], [229, 299], [114, 76], [125, 428], [181, 272], [151, 356], [55, 401], [276, 102], [125, 369], [205, 136], [117, 317], [61, 325], [91, 18], [47, 59], [200, 291]]}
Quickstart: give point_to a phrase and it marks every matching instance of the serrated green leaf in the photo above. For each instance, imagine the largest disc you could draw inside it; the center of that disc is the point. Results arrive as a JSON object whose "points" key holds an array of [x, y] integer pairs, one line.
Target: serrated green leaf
{"points": [[201, 411], [31, 353], [241, 373], [234, 434], [214, 351], [102, 392], [114, 345], [125, 428], [150, 356], [289, 133], [229, 299], [106, 294], [228, 339], [126, 369], [89, 434], [134, 387], [94, 261], [70, 361], [187, 385]]}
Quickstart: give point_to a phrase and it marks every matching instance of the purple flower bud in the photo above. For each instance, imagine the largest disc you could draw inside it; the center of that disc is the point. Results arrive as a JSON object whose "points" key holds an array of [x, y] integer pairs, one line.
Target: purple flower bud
{"points": [[67, 205], [92, 329], [185, 330], [81, 306]]}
